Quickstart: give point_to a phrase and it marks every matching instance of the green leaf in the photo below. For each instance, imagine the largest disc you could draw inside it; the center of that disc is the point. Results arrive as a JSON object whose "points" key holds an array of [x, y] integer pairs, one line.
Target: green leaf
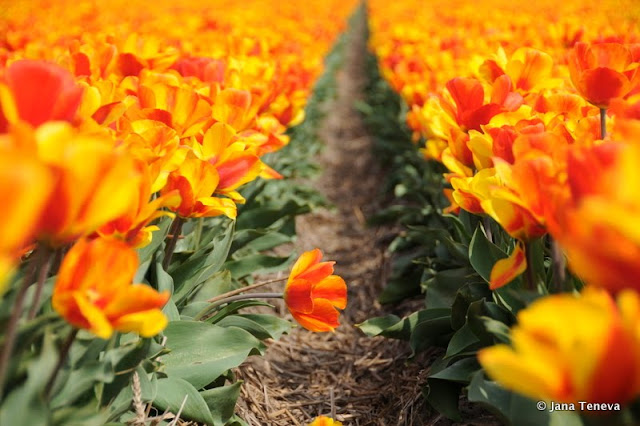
{"points": [[267, 216], [259, 240], [460, 371], [171, 394], [483, 254], [431, 332], [82, 380], [404, 329], [441, 290], [443, 395], [481, 309], [274, 325], [222, 402], [468, 294], [375, 326], [24, 406], [88, 415], [145, 253], [202, 265], [514, 409], [201, 352], [125, 358], [565, 418], [463, 340], [499, 329], [234, 307], [257, 263]]}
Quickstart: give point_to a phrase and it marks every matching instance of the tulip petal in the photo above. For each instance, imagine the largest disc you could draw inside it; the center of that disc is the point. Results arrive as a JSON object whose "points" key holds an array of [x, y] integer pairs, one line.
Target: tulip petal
{"points": [[529, 376], [600, 85], [334, 289], [323, 318], [146, 323], [506, 270], [97, 321], [297, 295], [305, 261]]}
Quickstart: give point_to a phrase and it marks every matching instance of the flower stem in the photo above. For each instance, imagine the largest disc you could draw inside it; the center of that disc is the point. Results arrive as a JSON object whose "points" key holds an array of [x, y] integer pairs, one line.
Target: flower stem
{"points": [[198, 233], [603, 123], [43, 273], [559, 265], [10, 335], [64, 352], [176, 227], [235, 298], [244, 290], [530, 277]]}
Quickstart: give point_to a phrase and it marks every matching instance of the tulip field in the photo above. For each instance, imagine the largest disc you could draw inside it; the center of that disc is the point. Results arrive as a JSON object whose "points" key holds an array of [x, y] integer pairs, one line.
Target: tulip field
{"points": [[157, 160]]}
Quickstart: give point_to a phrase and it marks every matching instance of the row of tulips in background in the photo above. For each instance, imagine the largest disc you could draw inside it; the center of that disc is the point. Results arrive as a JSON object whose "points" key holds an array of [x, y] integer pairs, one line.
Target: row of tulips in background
{"points": [[532, 112], [126, 132]]}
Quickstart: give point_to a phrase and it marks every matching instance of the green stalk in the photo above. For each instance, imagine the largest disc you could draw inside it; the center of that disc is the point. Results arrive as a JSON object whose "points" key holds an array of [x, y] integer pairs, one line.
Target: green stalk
{"points": [[530, 277], [38, 256], [43, 273], [176, 227], [603, 123], [235, 298], [64, 353], [559, 266]]}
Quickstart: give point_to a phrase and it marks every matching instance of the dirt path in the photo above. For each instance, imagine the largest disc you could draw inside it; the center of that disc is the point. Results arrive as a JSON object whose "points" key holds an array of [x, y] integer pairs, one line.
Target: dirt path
{"points": [[363, 381]]}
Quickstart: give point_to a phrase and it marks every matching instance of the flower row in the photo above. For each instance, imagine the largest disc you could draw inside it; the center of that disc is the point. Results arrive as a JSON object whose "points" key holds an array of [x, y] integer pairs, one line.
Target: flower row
{"points": [[115, 114], [534, 109]]}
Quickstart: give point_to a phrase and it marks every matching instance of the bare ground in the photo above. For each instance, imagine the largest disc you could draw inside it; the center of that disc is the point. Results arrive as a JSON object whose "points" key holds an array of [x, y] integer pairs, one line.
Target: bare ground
{"points": [[356, 379]]}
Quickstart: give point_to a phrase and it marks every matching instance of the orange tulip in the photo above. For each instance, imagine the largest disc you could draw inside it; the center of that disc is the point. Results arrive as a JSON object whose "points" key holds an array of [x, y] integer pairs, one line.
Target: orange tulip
{"points": [[196, 181], [133, 227], [602, 72], [89, 189], [36, 92], [595, 216], [312, 293], [594, 360], [25, 185], [94, 291], [325, 421]]}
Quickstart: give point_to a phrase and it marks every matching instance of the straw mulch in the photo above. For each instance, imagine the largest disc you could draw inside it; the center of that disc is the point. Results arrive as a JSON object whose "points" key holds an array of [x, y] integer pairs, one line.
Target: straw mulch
{"points": [[353, 378]]}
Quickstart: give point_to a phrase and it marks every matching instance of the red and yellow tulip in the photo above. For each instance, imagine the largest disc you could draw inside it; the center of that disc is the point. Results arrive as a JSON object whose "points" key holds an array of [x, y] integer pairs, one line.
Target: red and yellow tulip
{"points": [[596, 359], [313, 293], [94, 291]]}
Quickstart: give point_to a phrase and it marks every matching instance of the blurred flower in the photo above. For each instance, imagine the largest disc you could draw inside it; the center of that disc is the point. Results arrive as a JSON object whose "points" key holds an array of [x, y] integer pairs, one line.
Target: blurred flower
{"points": [[89, 175], [94, 291], [312, 293], [595, 215], [325, 421], [25, 185], [36, 92], [602, 72], [569, 349]]}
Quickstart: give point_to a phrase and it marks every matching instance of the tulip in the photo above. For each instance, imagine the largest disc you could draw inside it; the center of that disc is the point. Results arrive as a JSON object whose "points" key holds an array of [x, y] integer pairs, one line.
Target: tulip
{"points": [[594, 216], [602, 72], [36, 92], [568, 349], [94, 291], [196, 181], [312, 293], [25, 186], [325, 421], [89, 189]]}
